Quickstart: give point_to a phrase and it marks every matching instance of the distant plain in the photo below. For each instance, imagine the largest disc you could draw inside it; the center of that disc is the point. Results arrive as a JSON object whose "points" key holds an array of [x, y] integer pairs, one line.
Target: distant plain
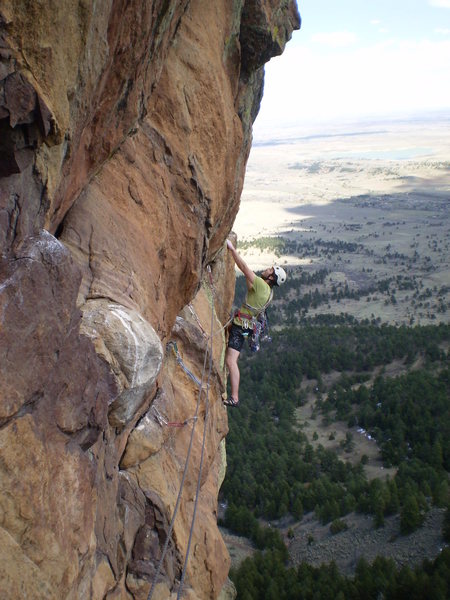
{"points": [[384, 187]]}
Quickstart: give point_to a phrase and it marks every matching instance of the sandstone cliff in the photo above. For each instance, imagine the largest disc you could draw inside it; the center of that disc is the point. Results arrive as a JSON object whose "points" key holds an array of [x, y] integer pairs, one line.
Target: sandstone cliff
{"points": [[125, 127]]}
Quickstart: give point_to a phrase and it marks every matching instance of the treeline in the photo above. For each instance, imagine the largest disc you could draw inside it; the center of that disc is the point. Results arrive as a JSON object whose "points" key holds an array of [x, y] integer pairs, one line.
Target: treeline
{"points": [[272, 471], [286, 246], [243, 520], [265, 577], [316, 350]]}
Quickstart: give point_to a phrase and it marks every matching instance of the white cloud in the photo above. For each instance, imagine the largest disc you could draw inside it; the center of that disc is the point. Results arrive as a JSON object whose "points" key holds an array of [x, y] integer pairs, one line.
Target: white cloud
{"points": [[440, 3], [442, 31], [375, 22], [335, 39], [303, 85]]}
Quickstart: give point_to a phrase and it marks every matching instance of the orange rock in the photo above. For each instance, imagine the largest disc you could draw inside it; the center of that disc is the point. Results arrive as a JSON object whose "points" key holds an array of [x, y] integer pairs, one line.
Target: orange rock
{"points": [[125, 131]]}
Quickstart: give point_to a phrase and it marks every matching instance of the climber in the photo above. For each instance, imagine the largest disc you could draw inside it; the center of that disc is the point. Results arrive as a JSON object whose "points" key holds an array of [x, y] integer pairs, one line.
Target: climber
{"points": [[259, 295]]}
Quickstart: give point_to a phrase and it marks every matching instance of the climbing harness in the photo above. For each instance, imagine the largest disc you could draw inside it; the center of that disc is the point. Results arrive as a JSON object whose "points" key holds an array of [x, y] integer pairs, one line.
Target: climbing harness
{"points": [[194, 419], [255, 323]]}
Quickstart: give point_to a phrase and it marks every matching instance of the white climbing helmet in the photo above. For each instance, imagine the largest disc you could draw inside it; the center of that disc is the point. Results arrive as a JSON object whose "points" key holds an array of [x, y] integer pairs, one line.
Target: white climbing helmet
{"points": [[280, 274]]}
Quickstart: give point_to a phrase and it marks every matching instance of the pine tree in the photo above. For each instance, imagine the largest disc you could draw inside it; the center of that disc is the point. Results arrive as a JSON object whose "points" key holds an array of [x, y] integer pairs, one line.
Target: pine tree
{"points": [[410, 517]]}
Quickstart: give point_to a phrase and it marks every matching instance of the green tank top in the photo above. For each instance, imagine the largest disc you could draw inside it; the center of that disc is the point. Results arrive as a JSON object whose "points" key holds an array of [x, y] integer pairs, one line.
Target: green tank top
{"points": [[257, 297]]}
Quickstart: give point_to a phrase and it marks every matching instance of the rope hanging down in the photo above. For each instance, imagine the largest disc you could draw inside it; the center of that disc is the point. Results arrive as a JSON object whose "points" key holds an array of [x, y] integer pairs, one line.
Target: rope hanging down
{"points": [[183, 478], [197, 493], [158, 416], [174, 347], [214, 296]]}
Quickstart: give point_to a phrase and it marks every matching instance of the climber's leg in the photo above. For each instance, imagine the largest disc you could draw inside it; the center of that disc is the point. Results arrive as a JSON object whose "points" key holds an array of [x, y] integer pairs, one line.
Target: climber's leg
{"points": [[231, 360]]}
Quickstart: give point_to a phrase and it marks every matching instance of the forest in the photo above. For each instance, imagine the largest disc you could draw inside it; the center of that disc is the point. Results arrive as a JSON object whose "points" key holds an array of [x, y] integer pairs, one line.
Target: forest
{"points": [[274, 470], [267, 578]]}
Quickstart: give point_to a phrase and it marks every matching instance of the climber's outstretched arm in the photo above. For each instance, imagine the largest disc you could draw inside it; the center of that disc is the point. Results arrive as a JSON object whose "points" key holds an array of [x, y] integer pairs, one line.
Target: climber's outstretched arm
{"points": [[242, 265]]}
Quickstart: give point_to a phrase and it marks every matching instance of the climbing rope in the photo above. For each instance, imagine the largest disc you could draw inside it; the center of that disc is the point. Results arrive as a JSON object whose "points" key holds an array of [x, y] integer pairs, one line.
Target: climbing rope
{"points": [[197, 493], [190, 374], [183, 478], [220, 329], [214, 296], [159, 417]]}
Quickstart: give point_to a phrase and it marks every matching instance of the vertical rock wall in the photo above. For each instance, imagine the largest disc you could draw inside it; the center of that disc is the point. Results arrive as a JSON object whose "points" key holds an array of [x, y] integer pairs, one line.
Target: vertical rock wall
{"points": [[125, 127]]}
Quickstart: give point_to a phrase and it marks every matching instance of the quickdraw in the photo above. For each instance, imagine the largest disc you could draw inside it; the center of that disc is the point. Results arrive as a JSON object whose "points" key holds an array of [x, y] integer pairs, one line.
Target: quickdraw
{"points": [[164, 422], [194, 314]]}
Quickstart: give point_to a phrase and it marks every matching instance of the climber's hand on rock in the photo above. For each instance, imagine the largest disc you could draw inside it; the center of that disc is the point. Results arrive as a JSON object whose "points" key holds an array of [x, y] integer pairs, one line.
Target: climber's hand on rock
{"points": [[230, 245]]}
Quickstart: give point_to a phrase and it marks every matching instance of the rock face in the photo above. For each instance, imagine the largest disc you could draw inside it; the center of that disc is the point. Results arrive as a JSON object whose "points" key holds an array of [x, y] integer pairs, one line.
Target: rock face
{"points": [[125, 128]]}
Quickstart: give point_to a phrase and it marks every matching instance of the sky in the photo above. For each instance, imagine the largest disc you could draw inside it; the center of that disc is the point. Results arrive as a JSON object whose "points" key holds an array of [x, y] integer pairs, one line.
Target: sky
{"points": [[354, 59]]}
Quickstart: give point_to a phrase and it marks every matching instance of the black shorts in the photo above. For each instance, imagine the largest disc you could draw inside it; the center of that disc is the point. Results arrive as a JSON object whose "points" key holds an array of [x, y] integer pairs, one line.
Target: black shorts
{"points": [[237, 337]]}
